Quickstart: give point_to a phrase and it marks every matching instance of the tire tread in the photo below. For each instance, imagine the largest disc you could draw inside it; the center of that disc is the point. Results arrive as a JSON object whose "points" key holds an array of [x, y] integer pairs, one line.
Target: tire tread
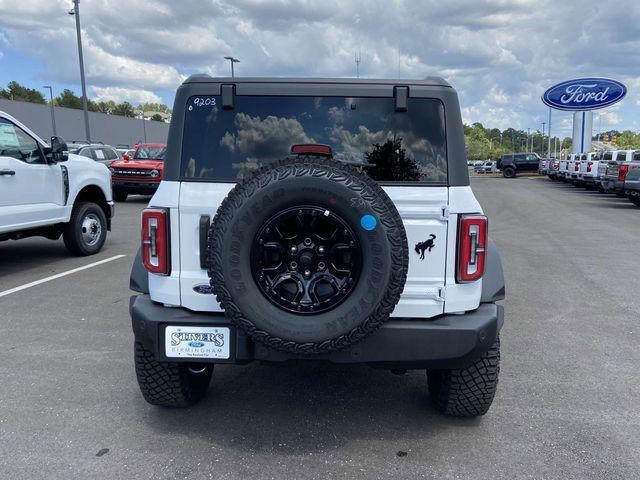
{"points": [[168, 384], [467, 392]]}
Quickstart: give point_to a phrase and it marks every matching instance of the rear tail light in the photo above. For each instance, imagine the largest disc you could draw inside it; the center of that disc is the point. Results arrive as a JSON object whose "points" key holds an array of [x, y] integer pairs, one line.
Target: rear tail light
{"points": [[589, 166], [622, 172], [576, 167], [472, 244], [155, 241]]}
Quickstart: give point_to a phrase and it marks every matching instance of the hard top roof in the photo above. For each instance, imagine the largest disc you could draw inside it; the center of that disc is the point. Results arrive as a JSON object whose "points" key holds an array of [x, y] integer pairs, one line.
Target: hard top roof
{"points": [[428, 81]]}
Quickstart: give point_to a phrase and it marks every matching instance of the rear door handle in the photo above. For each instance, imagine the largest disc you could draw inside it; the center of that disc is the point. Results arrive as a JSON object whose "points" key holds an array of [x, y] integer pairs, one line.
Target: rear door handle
{"points": [[7, 172]]}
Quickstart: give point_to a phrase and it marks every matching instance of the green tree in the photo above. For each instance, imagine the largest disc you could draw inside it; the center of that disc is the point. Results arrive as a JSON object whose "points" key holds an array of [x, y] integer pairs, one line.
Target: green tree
{"points": [[156, 117], [390, 162], [15, 91], [124, 109], [154, 107], [68, 99]]}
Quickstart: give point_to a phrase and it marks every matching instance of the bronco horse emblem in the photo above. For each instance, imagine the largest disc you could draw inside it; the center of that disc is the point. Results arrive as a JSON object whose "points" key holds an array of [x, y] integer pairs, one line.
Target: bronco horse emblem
{"points": [[427, 245]]}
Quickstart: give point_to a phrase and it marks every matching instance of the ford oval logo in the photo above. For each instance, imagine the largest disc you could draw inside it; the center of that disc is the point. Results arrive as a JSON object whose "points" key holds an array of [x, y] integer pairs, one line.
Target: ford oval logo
{"points": [[196, 344], [584, 94], [203, 289]]}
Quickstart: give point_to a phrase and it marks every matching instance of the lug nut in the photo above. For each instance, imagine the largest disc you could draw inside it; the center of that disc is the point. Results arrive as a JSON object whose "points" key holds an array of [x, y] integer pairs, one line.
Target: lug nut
{"points": [[307, 241], [294, 249], [307, 273], [321, 266], [293, 265], [321, 250]]}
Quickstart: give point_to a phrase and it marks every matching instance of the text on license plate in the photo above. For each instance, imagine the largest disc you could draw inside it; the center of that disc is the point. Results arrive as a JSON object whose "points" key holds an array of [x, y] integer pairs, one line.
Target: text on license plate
{"points": [[197, 342]]}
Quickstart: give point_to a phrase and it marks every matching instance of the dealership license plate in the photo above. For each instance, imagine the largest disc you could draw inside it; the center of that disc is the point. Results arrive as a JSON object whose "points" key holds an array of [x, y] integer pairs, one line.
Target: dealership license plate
{"points": [[197, 342]]}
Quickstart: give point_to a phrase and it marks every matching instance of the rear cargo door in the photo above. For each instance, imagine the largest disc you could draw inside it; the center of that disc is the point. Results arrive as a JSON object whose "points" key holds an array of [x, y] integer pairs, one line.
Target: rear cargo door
{"points": [[424, 211]]}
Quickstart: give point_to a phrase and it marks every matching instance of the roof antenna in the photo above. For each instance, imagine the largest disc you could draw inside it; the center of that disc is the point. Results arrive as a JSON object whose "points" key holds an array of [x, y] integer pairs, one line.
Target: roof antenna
{"points": [[398, 61], [358, 58]]}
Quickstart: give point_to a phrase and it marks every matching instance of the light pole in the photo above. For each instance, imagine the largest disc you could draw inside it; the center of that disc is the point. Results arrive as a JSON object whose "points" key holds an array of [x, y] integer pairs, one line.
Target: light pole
{"points": [[232, 60], [53, 116], [144, 128], [542, 146], [528, 135], [76, 12]]}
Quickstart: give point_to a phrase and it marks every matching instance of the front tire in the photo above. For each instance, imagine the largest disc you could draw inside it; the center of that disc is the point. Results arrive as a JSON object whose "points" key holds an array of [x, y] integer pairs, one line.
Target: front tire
{"points": [[120, 196], [86, 231], [509, 172], [170, 384], [467, 392]]}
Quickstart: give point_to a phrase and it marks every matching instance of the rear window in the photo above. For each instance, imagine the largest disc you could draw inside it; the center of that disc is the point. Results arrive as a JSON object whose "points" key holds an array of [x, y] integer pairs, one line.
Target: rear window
{"points": [[607, 156], [389, 146]]}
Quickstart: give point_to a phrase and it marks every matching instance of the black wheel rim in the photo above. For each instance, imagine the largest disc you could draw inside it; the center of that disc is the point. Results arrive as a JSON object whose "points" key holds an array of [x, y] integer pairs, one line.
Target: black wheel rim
{"points": [[306, 259]]}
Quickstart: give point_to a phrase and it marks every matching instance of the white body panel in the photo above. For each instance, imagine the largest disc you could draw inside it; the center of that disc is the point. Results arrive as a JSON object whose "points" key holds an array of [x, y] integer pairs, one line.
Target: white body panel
{"points": [[430, 290], [585, 171], [34, 195]]}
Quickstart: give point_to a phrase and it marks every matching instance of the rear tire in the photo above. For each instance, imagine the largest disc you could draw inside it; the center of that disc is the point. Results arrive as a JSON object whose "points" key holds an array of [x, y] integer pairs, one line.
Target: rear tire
{"points": [[509, 172], [467, 392], [120, 196], [86, 231], [635, 200], [170, 384]]}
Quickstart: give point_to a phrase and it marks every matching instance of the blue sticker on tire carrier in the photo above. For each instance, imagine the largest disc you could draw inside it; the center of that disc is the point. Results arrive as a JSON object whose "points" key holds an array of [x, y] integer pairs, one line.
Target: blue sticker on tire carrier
{"points": [[368, 222]]}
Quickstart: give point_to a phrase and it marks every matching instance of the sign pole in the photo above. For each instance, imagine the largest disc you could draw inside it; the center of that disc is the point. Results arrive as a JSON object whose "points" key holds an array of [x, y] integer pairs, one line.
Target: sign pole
{"points": [[549, 133]]}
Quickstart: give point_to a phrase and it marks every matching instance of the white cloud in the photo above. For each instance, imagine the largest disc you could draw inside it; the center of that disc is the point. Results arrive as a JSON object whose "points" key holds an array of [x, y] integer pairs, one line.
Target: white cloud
{"points": [[264, 139], [499, 54], [119, 94]]}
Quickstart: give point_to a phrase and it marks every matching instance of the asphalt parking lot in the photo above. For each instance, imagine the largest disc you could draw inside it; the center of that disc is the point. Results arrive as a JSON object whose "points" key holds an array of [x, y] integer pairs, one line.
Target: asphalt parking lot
{"points": [[567, 402]]}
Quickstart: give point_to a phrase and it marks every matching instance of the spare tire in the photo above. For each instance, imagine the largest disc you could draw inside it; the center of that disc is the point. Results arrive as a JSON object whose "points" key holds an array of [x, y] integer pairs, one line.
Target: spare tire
{"points": [[307, 255]]}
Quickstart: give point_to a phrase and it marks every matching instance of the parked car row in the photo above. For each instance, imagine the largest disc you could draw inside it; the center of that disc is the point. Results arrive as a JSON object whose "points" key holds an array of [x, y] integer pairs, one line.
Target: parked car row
{"points": [[135, 171], [616, 171]]}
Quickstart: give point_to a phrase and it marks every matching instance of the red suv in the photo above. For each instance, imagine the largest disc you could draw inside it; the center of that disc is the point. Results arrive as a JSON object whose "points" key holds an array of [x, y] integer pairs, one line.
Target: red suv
{"points": [[138, 175]]}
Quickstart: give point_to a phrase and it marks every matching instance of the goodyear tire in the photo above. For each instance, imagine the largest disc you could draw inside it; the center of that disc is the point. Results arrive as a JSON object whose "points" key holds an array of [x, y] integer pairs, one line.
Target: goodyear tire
{"points": [[307, 255]]}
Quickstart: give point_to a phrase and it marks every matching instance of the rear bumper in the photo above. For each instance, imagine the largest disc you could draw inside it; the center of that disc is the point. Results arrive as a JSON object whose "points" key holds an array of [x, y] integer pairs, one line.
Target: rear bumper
{"points": [[632, 188], [448, 341]]}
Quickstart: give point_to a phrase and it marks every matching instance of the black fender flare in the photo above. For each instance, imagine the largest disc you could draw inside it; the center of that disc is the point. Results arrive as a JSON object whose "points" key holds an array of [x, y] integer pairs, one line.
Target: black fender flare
{"points": [[493, 288], [139, 280]]}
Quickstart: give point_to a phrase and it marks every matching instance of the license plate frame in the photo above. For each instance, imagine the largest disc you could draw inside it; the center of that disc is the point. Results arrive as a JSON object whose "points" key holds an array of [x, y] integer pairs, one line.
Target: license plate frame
{"points": [[193, 342]]}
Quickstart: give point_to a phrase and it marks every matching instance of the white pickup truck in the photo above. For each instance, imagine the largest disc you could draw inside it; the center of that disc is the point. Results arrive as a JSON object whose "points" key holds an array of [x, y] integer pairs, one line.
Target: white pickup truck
{"points": [[564, 173], [588, 169], [45, 191]]}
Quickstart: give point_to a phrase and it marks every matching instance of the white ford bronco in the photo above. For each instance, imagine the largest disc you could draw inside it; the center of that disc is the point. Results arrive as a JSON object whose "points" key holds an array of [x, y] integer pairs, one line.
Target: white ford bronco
{"points": [[45, 191], [317, 220]]}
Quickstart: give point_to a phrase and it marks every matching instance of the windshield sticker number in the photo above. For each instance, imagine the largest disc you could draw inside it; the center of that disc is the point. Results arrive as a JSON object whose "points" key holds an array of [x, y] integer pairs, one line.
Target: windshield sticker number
{"points": [[203, 102]]}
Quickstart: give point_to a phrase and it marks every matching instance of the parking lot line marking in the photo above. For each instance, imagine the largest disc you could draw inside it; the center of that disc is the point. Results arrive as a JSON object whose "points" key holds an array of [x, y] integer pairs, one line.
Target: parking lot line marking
{"points": [[59, 275]]}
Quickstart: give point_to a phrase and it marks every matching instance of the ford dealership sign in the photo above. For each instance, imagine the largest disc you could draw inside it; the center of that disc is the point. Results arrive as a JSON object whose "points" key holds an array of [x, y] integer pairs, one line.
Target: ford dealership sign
{"points": [[584, 94]]}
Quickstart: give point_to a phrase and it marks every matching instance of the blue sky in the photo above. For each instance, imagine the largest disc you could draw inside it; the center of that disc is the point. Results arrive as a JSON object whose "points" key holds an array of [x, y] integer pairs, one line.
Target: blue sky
{"points": [[499, 54]]}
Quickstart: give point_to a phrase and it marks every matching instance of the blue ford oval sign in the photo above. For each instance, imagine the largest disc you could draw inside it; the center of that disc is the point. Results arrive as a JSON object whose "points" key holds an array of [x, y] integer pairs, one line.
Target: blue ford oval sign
{"points": [[584, 94]]}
